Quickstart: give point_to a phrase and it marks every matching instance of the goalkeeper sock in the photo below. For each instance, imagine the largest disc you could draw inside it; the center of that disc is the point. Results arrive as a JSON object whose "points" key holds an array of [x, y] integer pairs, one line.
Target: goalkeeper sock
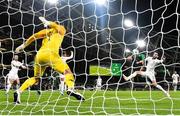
{"points": [[69, 80], [29, 82]]}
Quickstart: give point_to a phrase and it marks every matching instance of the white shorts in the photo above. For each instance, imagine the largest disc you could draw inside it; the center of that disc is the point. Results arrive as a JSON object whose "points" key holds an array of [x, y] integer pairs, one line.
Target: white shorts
{"points": [[150, 75], [62, 76], [99, 84], [12, 77], [175, 82]]}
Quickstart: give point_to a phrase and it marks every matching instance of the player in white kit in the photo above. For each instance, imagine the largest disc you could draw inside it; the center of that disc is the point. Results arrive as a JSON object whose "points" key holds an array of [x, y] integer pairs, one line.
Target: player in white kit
{"points": [[12, 76], [175, 78], [64, 57], [98, 83], [150, 73]]}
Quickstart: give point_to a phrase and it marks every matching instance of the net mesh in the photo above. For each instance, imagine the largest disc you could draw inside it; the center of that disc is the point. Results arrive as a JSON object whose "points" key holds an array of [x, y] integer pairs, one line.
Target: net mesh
{"points": [[101, 34]]}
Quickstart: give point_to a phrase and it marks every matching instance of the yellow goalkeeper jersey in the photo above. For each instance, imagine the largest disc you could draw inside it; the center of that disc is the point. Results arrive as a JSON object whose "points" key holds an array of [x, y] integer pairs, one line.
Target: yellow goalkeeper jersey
{"points": [[52, 42]]}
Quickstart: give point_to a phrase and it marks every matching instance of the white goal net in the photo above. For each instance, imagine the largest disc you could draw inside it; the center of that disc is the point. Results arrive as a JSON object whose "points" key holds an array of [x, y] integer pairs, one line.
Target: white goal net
{"points": [[106, 39]]}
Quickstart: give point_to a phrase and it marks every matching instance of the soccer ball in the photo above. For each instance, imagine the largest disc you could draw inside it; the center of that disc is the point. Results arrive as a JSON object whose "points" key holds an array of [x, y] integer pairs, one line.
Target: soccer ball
{"points": [[135, 52]]}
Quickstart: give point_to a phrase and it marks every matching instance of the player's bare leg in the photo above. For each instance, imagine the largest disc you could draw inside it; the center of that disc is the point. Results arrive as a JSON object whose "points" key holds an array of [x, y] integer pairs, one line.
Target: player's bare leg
{"points": [[125, 77], [132, 75], [8, 86]]}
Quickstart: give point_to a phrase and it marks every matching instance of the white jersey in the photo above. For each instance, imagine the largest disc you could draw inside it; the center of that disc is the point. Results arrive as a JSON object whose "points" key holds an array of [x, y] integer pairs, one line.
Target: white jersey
{"points": [[151, 64], [150, 67], [175, 78], [99, 82], [15, 67]]}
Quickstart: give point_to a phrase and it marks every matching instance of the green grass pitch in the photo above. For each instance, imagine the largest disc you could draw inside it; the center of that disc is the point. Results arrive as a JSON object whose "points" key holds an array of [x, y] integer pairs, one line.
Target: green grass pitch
{"points": [[97, 103]]}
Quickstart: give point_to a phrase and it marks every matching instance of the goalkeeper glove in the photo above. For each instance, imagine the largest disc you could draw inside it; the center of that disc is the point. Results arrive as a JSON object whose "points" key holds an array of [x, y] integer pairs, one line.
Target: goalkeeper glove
{"points": [[20, 48], [44, 21]]}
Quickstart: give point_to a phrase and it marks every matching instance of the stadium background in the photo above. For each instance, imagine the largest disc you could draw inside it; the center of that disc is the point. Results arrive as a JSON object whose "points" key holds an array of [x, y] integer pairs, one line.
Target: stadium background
{"points": [[97, 36], [93, 44]]}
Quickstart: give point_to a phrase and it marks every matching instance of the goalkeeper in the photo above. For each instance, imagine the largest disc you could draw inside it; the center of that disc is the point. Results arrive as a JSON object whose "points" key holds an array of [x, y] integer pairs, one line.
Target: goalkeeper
{"points": [[48, 55]]}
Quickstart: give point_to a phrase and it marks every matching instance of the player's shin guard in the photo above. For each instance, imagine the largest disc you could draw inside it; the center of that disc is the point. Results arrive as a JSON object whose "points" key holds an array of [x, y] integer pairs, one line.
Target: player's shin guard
{"points": [[29, 82]]}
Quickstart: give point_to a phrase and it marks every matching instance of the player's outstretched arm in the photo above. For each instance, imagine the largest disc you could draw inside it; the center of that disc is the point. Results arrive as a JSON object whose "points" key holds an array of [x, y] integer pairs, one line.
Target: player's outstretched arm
{"points": [[162, 60], [23, 67], [38, 35], [54, 25], [140, 62], [178, 78]]}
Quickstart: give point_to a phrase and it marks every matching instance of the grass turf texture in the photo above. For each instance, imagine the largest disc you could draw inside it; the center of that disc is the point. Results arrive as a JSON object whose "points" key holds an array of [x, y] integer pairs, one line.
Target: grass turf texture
{"points": [[97, 102]]}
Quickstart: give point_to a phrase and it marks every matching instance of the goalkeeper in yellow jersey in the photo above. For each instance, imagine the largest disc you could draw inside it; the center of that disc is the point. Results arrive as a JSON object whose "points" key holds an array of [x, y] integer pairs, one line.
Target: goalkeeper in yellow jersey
{"points": [[48, 55]]}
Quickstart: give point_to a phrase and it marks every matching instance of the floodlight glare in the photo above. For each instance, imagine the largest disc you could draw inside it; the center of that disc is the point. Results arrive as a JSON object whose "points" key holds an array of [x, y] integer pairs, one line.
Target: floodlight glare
{"points": [[140, 43], [100, 2], [52, 1], [128, 23]]}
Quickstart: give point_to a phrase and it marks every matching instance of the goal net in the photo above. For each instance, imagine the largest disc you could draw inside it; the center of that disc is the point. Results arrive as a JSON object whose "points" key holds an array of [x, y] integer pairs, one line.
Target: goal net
{"points": [[108, 38]]}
